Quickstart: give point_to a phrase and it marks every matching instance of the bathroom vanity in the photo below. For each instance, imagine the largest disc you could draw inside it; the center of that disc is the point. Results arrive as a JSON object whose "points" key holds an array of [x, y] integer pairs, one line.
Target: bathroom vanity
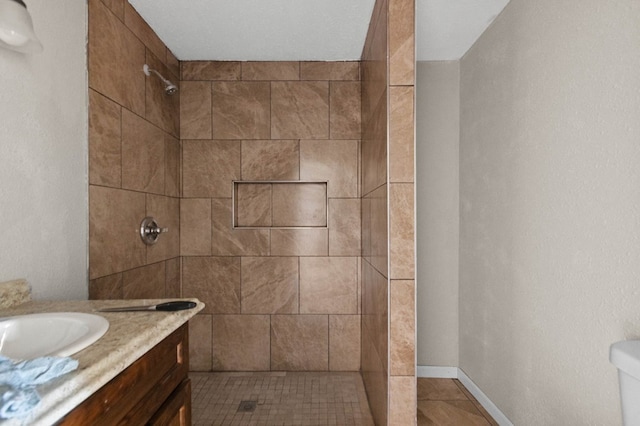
{"points": [[137, 373]]}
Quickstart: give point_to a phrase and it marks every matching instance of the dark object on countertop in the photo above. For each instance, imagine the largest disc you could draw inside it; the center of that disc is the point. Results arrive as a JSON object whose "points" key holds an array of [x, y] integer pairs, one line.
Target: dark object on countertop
{"points": [[178, 305]]}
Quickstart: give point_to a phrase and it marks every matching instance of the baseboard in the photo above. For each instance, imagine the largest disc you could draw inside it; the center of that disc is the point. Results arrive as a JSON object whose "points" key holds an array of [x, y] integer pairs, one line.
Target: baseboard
{"points": [[456, 373], [437, 372]]}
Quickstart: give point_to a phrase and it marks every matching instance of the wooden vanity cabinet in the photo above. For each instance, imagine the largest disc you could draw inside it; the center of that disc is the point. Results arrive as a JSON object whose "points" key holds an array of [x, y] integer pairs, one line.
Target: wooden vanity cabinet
{"points": [[154, 390]]}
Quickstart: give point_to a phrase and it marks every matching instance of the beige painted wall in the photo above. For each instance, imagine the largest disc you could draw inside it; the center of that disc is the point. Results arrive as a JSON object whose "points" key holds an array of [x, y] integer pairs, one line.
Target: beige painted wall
{"points": [[43, 155], [437, 174], [550, 207]]}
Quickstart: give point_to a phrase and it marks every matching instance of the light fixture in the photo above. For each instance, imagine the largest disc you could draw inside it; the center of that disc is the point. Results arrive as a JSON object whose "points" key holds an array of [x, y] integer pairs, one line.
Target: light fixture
{"points": [[16, 27]]}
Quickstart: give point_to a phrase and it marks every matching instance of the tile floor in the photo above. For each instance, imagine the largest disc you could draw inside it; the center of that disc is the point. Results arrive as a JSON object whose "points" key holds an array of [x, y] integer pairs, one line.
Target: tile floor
{"points": [[445, 402], [280, 398], [321, 399]]}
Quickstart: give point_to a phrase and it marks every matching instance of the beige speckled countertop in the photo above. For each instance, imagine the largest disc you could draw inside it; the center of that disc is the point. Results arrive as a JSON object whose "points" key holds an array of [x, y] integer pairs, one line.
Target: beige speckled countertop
{"points": [[130, 335]]}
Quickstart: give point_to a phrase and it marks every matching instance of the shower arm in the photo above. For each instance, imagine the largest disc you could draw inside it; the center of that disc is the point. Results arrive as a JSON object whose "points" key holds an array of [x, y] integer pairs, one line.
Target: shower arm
{"points": [[148, 72], [170, 88]]}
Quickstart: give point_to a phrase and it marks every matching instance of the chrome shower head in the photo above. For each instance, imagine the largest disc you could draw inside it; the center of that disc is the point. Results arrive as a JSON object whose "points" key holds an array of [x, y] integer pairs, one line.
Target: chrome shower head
{"points": [[170, 88]]}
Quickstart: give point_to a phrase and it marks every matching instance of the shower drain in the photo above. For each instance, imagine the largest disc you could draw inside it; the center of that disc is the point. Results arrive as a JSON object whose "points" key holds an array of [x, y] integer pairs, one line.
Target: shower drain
{"points": [[247, 406]]}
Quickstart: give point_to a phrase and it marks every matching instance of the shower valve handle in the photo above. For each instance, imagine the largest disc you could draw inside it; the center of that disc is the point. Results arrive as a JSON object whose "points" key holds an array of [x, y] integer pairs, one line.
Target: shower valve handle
{"points": [[155, 231], [150, 231]]}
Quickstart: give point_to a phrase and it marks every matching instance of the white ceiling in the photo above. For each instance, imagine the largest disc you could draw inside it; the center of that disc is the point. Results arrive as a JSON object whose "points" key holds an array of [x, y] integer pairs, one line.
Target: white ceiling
{"points": [[322, 30], [446, 29]]}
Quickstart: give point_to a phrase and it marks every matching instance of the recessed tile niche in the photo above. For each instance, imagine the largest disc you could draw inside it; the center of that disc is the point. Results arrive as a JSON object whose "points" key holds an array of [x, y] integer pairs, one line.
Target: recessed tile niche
{"points": [[280, 204]]}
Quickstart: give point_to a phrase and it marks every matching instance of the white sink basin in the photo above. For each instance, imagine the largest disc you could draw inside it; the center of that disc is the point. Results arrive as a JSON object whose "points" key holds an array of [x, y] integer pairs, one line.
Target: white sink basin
{"points": [[49, 334]]}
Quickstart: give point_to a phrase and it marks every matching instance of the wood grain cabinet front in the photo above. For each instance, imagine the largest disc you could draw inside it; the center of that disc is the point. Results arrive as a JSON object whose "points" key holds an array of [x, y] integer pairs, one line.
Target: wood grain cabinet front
{"points": [[154, 390]]}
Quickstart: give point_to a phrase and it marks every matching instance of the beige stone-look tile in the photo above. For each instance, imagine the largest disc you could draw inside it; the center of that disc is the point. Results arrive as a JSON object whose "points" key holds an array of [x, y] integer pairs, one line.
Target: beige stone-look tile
{"points": [[173, 64], [401, 42], [359, 284], [173, 286], [299, 204], [253, 204], [171, 166], [142, 155], [270, 285], [374, 229], [166, 211], [299, 343], [344, 103], [401, 231], [300, 110], [299, 242], [402, 346], [195, 227], [116, 6], [270, 160], [376, 382], [195, 110], [374, 149], [210, 167], [344, 342], [344, 227], [375, 311], [213, 280], [313, 70], [439, 390], [377, 27], [401, 135], [449, 413], [367, 230], [116, 57], [475, 402], [328, 285], [332, 161], [210, 70], [241, 110], [269, 70], [105, 151], [402, 400], [200, 342], [109, 287], [114, 212], [227, 241], [147, 282], [242, 343], [161, 109], [144, 32]]}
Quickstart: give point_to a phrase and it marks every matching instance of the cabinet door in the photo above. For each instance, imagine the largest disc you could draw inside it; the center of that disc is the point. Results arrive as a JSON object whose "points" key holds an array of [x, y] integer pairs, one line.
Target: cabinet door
{"points": [[176, 410]]}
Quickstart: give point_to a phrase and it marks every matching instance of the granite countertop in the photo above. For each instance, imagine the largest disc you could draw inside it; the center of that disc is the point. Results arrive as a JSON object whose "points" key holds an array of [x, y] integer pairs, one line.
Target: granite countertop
{"points": [[130, 335]]}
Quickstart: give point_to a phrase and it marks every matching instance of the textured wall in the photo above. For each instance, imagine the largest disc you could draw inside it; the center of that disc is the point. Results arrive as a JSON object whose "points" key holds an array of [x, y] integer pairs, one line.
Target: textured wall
{"points": [[43, 149], [437, 151], [282, 291], [134, 157], [550, 209]]}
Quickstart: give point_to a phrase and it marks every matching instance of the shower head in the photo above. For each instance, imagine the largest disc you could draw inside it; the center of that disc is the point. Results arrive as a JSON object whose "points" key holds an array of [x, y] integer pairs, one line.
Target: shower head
{"points": [[169, 87]]}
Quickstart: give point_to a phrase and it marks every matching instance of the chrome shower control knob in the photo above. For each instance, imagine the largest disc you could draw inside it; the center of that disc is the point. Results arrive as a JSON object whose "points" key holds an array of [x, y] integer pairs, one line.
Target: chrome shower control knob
{"points": [[150, 231]]}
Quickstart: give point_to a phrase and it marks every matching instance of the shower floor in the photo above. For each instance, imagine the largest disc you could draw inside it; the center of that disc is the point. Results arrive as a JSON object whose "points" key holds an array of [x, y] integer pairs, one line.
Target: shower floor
{"points": [[279, 398]]}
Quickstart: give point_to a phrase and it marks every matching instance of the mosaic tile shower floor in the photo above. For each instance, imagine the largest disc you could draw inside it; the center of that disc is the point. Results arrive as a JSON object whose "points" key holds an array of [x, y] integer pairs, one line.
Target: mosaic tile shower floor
{"points": [[282, 398]]}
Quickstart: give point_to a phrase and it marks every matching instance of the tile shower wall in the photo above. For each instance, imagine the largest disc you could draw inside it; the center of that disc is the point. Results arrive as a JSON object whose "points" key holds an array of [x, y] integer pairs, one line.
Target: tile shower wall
{"points": [[282, 291], [134, 157], [388, 281]]}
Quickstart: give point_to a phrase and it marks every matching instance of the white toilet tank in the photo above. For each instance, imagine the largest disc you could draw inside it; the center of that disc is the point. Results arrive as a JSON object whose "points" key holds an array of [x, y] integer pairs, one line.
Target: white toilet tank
{"points": [[625, 356]]}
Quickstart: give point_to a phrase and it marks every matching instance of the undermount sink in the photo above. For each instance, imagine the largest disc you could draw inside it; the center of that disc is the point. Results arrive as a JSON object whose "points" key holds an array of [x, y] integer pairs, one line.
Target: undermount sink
{"points": [[49, 334]]}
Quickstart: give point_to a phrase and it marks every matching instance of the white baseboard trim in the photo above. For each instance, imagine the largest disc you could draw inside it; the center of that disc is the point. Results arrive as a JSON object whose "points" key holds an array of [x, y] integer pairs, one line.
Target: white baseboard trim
{"points": [[437, 372], [456, 373]]}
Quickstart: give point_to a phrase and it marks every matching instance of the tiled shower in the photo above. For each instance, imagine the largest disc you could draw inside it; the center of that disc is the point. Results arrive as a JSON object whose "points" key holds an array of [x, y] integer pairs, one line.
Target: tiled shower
{"points": [[270, 214], [283, 216]]}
